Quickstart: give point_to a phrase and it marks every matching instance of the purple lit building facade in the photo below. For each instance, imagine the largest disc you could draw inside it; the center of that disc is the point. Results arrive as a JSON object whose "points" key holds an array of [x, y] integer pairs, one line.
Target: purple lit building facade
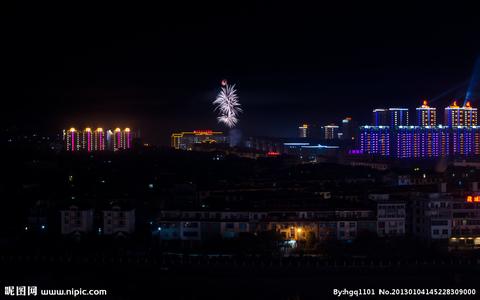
{"points": [[460, 136]]}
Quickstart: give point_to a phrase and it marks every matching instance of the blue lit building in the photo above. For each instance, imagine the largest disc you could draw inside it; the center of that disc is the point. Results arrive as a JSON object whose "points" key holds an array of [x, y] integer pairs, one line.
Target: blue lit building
{"points": [[398, 117], [380, 117], [375, 140], [458, 137]]}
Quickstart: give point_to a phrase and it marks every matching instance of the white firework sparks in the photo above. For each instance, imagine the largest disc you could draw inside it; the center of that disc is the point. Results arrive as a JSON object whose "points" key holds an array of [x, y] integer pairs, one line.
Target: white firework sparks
{"points": [[228, 105]]}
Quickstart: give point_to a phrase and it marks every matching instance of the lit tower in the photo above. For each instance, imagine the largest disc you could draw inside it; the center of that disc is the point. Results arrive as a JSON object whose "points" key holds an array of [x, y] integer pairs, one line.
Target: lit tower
{"points": [[452, 115], [110, 140], [118, 140], [99, 140], [87, 143], [460, 116], [72, 140], [348, 129], [380, 117], [303, 131], [426, 115], [127, 138], [331, 132], [470, 115], [398, 116]]}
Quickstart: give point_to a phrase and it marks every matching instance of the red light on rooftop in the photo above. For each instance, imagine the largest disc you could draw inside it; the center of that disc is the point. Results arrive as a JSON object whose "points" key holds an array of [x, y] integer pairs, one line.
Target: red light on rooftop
{"points": [[468, 104]]}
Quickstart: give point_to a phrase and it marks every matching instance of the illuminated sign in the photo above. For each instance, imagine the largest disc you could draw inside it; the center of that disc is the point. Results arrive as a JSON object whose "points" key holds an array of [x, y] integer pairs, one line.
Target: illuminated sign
{"points": [[472, 199], [202, 131], [273, 153]]}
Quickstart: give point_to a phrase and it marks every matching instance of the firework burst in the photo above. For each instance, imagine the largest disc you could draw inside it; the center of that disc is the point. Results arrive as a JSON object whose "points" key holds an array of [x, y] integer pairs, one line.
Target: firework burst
{"points": [[227, 105]]}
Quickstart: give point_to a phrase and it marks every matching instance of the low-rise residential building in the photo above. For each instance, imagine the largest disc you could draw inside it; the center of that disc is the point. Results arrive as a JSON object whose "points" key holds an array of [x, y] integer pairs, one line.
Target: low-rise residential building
{"points": [[391, 216], [432, 216], [118, 221], [76, 220], [465, 223], [291, 224]]}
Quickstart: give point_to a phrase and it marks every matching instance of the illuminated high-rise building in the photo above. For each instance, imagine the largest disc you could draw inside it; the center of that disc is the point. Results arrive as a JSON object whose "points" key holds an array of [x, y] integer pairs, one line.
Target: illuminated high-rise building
{"points": [[348, 129], [380, 117], [398, 117], [87, 139], [303, 131], [110, 139], [470, 114], [330, 132], [460, 137], [72, 140], [99, 140], [413, 142], [186, 140], [375, 140], [426, 115], [460, 115], [118, 139], [127, 138], [465, 141]]}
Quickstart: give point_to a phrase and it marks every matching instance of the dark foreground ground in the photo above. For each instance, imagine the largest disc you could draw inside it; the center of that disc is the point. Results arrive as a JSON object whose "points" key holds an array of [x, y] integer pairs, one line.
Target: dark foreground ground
{"points": [[177, 277]]}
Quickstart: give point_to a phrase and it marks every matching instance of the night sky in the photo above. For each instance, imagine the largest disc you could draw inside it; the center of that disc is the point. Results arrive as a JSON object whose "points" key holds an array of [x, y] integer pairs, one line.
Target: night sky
{"points": [[158, 68]]}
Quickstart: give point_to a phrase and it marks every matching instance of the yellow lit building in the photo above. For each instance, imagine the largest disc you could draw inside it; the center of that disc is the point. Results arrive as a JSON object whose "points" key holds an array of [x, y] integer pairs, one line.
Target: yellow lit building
{"points": [[303, 131], [186, 139]]}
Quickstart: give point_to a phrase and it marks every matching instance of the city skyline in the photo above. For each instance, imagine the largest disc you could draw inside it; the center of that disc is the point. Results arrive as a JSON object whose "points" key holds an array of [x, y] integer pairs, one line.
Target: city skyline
{"points": [[161, 73]]}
